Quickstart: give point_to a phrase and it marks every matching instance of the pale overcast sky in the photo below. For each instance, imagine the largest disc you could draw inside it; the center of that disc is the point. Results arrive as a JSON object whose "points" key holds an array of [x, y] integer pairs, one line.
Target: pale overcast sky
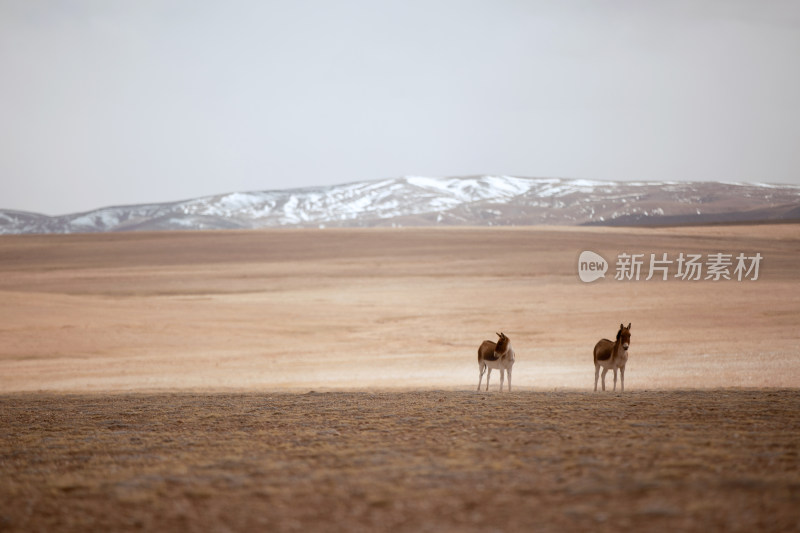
{"points": [[117, 102]]}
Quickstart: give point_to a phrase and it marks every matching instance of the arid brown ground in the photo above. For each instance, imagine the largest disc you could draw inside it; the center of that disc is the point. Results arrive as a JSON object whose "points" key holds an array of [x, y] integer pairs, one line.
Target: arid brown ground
{"points": [[162, 382], [408, 461]]}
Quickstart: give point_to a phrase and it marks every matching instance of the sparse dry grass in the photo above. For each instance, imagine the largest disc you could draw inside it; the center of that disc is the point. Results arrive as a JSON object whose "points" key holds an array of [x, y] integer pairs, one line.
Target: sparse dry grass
{"points": [[414, 461]]}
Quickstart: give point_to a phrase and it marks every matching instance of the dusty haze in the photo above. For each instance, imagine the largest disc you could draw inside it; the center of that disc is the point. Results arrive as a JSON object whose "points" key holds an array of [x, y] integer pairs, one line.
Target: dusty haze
{"points": [[362, 309]]}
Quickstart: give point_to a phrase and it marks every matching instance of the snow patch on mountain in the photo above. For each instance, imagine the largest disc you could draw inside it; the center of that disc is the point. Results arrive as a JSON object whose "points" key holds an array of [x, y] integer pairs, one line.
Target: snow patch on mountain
{"points": [[420, 200]]}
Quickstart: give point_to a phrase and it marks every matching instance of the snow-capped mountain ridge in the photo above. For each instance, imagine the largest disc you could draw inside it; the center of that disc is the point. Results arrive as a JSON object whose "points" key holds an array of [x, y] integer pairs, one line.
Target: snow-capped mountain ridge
{"points": [[418, 200]]}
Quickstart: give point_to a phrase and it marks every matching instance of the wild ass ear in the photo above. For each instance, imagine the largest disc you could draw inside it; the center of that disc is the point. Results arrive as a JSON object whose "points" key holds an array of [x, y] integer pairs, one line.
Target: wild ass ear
{"points": [[499, 334], [629, 325], [621, 326]]}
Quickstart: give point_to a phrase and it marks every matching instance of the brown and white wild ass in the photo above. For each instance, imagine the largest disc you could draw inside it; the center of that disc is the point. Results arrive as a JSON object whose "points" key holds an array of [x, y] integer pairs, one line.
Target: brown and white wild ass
{"points": [[612, 355], [495, 355]]}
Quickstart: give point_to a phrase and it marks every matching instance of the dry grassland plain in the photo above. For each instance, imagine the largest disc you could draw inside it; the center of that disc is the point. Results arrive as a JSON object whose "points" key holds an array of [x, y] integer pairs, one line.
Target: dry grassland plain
{"points": [[325, 380]]}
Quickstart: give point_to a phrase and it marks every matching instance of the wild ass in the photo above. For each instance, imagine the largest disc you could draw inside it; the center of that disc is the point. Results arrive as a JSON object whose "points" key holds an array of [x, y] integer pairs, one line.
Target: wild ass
{"points": [[612, 355], [491, 355]]}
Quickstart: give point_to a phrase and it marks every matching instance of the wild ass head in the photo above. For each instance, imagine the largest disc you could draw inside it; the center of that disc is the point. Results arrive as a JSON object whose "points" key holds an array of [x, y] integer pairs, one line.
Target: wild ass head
{"points": [[624, 336], [502, 344]]}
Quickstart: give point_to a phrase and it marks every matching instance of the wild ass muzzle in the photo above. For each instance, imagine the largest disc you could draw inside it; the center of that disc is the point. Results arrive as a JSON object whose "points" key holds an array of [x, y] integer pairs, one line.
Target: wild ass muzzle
{"points": [[612, 355], [498, 355]]}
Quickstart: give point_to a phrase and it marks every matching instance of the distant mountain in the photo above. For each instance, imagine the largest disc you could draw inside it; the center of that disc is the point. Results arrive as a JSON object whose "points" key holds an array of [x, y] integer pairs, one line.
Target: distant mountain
{"points": [[419, 201]]}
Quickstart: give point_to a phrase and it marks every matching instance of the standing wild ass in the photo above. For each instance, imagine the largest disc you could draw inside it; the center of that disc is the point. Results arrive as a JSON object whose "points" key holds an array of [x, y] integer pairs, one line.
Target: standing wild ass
{"points": [[491, 355], [612, 355]]}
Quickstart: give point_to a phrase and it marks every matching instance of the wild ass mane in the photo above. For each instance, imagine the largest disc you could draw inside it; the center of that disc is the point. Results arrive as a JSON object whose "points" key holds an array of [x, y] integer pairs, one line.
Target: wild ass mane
{"points": [[502, 346]]}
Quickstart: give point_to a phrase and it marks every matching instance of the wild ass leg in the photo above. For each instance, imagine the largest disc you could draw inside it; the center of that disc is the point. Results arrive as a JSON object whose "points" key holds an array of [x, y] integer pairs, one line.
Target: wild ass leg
{"points": [[488, 373], [509, 379], [615, 380], [596, 375], [622, 378], [502, 373], [481, 369], [603, 377]]}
